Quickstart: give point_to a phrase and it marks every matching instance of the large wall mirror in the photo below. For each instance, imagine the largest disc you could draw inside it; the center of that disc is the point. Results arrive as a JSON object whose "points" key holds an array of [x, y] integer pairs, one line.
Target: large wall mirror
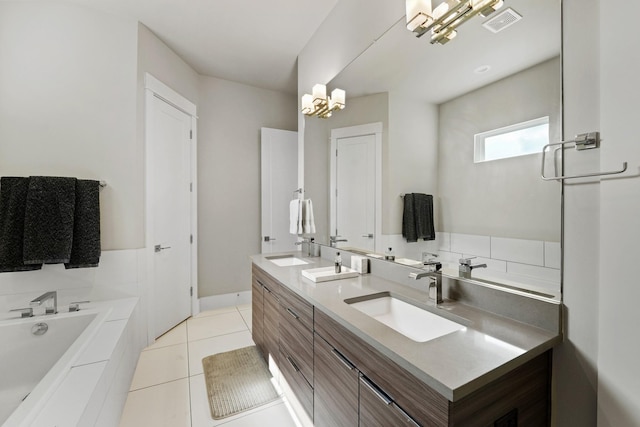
{"points": [[443, 114]]}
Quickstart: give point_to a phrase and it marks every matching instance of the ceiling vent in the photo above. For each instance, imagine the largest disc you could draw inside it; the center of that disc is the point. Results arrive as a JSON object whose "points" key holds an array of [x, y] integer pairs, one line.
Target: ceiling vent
{"points": [[502, 20]]}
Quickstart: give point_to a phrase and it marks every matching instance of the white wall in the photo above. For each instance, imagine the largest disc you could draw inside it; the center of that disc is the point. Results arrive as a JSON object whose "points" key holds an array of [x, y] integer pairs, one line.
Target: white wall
{"points": [[68, 105], [230, 117], [575, 361], [618, 341]]}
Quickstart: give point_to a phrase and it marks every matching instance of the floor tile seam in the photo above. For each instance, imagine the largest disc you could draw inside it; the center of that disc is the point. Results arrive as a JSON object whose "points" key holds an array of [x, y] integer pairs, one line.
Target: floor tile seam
{"points": [[164, 347], [189, 384], [159, 384], [202, 314], [158, 347], [216, 336], [245, 321], [205, 317]]}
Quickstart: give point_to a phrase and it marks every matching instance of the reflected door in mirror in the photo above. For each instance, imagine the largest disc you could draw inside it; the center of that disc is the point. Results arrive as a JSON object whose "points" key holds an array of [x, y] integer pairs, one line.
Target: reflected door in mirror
{"points": [[355, 200]]}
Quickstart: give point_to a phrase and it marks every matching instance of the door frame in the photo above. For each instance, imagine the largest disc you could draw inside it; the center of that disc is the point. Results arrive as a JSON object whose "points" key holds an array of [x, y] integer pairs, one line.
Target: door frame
{"points": [[154, 88], [374, 129]]}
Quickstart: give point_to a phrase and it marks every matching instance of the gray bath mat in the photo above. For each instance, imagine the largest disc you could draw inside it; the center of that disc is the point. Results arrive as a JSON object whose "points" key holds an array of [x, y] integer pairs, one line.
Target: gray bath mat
{"points": [[237, 381]]}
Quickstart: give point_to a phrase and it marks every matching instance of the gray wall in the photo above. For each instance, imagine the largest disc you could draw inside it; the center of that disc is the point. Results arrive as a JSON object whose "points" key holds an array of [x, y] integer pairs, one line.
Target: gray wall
{"points": [[409, 153], [68, 105], [230, 117], [359, 110], [410, 158], [529, 206]]}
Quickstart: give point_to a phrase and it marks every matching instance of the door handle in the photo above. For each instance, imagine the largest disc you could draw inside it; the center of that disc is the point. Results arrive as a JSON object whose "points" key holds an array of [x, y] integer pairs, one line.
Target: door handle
{"points": [[269, 239], [370, 235], [158, 248]]}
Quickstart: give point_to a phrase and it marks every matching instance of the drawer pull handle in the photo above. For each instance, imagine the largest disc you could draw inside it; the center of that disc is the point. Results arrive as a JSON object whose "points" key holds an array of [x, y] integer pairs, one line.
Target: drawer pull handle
{"points": [[293, 313], [346, 362], [404, 415], [293, 364], [381, 395]]}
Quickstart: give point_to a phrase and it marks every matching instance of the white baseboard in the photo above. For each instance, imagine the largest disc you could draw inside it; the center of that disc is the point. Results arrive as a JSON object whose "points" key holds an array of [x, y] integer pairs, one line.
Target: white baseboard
{"points": [[226, 300]]}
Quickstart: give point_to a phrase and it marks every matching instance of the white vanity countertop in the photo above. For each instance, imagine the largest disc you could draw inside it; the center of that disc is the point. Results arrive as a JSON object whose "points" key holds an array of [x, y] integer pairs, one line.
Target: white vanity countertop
{"points": [[456, 364]]}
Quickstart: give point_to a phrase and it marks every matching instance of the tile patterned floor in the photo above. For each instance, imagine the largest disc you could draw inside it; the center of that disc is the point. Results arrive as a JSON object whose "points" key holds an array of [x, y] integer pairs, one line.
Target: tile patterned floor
{"points": [[168, 387]]}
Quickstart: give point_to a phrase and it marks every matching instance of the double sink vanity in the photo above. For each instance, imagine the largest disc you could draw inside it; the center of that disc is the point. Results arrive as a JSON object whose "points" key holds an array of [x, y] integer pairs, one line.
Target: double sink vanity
{"points": [[374, 350]]}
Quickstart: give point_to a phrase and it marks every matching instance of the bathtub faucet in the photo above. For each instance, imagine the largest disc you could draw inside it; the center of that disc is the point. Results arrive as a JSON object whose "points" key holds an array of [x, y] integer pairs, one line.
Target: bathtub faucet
{"points": [[44, 297]]}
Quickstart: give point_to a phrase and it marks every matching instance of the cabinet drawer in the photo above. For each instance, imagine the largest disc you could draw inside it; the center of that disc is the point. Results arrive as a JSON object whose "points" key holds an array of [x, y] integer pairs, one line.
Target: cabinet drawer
{"points": [[301, 388], [297, 308], [377, 410], [297, 344], [335, 401], [271, 324], [424, 404]]}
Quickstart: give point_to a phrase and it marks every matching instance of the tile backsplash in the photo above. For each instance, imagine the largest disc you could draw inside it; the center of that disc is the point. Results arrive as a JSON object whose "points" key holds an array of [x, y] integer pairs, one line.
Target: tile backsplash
{"points": [[119, 274], [520, 259]]}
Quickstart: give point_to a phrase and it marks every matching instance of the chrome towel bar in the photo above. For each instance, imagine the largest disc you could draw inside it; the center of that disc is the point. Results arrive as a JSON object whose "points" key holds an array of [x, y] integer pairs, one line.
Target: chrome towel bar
{"points": [[583, 141]]}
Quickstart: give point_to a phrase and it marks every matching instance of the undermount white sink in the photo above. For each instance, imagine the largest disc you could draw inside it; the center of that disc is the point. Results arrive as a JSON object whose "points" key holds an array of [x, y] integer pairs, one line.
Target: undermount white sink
{"points": [[409, 262], [411, 321], [286, 260], [325, 274]]}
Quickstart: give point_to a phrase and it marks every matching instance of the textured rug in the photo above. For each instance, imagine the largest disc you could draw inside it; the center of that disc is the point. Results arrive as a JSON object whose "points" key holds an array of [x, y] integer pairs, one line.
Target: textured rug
{"points": [[237, 381]]}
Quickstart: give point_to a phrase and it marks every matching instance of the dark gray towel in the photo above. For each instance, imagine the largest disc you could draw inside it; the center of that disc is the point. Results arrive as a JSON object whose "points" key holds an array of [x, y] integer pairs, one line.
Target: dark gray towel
{"points": [[409, 220], [423, 209], [86, 228], [417, 217], [48, 221], [13, 199]]}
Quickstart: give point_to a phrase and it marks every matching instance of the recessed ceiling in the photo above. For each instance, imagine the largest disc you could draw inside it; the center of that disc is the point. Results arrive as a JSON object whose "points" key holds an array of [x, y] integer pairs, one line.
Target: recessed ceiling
{"points": [[255, 42]]}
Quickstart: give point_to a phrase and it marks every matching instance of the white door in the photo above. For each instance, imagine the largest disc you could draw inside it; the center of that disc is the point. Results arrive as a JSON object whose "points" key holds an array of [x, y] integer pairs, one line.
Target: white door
{"points": [[355, 193], [279, 162], [169, 144]]}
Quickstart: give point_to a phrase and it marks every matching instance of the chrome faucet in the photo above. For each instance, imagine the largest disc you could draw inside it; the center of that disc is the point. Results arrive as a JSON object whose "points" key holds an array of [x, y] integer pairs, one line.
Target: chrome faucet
{"points": [[466, 267], [435, 280], [45, 297], [334, 239]]}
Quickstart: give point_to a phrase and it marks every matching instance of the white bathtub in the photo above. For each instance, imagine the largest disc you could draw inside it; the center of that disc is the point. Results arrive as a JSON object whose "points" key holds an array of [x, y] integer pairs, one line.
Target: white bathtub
{"points": [[32, 366]]}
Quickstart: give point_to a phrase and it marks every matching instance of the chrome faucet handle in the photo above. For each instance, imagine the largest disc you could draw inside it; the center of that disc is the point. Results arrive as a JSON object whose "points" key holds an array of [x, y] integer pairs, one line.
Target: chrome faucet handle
{"points": [[24, 312], [75, 306], [466, 261]]}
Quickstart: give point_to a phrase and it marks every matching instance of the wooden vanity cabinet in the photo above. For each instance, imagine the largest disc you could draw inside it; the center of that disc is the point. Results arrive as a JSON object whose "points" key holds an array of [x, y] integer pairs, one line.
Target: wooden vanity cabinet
{"points": [[340, 380], [388, 392], [336, 387]]}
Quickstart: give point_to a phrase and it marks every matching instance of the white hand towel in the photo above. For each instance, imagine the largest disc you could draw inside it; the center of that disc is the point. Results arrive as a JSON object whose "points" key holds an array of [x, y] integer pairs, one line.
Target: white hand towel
{"points": [[300, 216], [294, 216], [309, 225]]}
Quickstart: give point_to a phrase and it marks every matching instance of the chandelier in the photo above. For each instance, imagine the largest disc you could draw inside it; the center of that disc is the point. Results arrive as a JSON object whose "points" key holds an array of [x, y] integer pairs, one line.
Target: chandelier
{"points": [[444, 20], [319, 104]]}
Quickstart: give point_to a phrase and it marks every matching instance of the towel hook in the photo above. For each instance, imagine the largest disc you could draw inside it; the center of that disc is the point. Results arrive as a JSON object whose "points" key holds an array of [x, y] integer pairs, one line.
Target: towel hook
{"points": [[583, 141]]}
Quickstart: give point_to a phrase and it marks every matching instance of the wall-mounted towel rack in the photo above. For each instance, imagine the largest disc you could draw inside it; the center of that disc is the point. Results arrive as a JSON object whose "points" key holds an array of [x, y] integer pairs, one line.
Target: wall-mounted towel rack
{"points": [[583, 141], [299, 191]]}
